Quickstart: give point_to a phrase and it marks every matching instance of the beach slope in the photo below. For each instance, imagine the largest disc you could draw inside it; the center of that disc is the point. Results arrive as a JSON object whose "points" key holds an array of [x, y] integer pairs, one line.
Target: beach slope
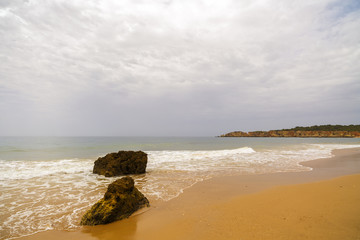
{"points": [[318, 204]]}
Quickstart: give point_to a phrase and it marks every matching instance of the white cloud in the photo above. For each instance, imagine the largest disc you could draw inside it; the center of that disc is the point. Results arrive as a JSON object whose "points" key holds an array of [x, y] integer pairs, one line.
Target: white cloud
{"points": [[199, 65]]}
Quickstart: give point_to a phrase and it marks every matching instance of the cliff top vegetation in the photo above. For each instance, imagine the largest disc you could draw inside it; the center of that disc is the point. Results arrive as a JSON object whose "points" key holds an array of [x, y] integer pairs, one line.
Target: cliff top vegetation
{"points": [[351, 128]]}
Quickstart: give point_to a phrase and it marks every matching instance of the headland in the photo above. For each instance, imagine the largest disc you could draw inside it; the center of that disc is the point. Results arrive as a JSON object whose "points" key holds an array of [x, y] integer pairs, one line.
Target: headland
{"points": [[322, 131]]}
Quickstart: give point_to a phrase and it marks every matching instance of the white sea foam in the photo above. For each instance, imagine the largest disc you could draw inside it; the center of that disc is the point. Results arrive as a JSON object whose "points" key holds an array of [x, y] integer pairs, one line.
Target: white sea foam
{"points": [[16, 170], [42, 195], [195, 160]]}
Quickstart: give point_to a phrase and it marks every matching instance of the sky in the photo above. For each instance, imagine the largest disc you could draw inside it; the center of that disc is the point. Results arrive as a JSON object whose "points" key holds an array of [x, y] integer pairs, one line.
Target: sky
{"points": [[176, 67]]}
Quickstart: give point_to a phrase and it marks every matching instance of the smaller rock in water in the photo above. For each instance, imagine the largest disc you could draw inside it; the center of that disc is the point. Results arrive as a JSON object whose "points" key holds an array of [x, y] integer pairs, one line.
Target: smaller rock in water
{"points": [[121, 163], [121, 199]]}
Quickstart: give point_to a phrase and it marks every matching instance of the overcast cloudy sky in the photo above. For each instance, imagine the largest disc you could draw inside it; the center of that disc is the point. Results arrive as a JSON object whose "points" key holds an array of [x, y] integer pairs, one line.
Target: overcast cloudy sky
{"points": [[181, 67]]}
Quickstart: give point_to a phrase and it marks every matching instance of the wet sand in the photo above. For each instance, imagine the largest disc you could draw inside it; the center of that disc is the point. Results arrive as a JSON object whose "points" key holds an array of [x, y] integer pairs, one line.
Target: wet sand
{"points": [[319, 204]]}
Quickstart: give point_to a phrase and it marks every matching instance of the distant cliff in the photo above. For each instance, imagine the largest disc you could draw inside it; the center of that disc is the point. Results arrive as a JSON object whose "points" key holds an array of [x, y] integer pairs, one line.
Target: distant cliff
{"points": [[304, 132]]}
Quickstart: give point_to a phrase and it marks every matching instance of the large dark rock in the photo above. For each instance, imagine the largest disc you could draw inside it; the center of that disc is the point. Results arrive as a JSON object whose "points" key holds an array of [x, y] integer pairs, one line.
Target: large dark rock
{"points": [[121, 163], [121, 199]]}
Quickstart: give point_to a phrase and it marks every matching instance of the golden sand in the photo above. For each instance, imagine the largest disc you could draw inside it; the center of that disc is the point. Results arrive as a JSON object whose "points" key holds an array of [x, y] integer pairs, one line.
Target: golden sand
{"points": [[323, 210]]}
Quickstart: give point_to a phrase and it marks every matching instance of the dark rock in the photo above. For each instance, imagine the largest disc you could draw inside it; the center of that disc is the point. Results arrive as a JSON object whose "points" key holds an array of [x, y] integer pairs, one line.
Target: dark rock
{"points": [[121, 163], [121, 199]]}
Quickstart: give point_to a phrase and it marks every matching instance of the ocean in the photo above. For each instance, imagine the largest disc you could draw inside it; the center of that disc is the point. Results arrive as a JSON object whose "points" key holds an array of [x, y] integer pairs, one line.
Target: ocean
{"points": [[47, 182]]}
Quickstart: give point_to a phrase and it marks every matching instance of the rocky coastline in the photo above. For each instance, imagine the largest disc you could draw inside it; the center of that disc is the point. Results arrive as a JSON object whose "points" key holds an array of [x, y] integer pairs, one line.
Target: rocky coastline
{"points": [[292, 133]]}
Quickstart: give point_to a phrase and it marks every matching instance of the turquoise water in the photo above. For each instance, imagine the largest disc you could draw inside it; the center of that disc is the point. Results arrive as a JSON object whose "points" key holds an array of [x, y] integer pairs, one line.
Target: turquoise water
{"points": [[53, 148], [47, 182]]}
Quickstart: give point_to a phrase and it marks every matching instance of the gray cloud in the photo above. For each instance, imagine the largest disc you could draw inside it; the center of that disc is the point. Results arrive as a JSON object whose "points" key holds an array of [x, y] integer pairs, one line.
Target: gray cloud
{"points": [[176, 67]]}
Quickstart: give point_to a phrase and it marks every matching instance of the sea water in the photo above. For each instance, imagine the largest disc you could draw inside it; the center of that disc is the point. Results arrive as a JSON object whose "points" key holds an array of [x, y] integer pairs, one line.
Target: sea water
{"points": [[47, 182]]}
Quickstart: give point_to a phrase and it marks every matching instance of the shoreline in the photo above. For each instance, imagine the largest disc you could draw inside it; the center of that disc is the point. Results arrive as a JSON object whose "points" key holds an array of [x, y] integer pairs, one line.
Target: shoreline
{"points": [[190, 212]]}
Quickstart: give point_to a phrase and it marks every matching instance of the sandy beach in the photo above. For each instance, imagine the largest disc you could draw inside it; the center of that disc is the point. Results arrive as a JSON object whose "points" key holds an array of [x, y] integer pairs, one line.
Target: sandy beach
{"points": [[246, 113], [318, 204]]}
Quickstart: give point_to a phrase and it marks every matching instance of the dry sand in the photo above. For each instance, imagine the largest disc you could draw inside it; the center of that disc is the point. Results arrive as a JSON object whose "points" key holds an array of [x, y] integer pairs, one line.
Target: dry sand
{"points": [[320, 204]]}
